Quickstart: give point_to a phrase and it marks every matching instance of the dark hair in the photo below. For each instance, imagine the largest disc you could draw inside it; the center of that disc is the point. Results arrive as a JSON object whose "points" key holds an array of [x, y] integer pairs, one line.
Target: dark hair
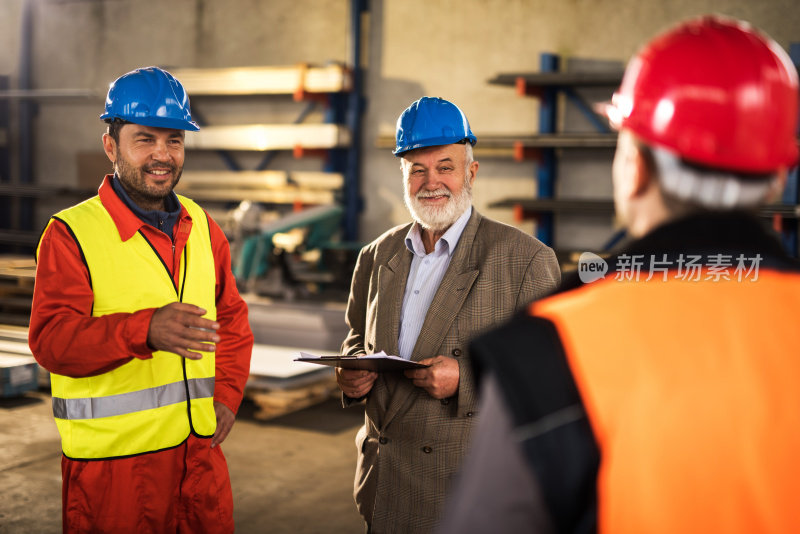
{"points": [[114, 126]]}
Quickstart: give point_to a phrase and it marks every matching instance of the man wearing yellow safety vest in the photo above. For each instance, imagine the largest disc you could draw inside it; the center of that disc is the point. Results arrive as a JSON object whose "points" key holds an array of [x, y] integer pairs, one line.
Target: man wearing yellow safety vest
{"points": [[659, 392], [137, 317]]}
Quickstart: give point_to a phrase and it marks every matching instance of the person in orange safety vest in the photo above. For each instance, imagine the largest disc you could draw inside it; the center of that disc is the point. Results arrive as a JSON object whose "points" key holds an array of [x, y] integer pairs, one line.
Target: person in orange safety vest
{"points": [[137, 317], [657, 390]]}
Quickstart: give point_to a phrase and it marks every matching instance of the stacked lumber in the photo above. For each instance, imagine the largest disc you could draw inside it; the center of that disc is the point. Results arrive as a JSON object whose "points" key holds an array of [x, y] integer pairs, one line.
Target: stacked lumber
{"points": [[261, 137], [265, 80], [17, 275], [279, 187], [273, 403], [278, 385]]}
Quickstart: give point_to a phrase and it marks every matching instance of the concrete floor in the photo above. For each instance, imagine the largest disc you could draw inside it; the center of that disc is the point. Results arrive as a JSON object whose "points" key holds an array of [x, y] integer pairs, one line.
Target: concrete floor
{"points": [[292, 474]]}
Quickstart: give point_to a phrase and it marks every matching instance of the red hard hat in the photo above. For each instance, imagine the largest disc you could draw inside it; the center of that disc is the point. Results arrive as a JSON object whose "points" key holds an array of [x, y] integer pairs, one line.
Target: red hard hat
{"points": [[716, 92]]}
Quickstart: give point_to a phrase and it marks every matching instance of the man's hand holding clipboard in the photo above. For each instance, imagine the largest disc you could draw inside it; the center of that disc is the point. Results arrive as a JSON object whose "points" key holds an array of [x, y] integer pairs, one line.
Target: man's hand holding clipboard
{"points": [[379, 362], [356, 374]]}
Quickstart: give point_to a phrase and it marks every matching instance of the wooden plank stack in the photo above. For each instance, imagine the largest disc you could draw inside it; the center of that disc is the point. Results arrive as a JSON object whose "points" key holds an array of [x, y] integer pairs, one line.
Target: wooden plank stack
{"points": [[17, 275], [274, 403], [19, 372]]}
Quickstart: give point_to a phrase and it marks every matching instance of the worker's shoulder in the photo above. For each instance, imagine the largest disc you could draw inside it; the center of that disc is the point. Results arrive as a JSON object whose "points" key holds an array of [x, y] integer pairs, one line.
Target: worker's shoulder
{"points": [[391, 238], [509, 237]]}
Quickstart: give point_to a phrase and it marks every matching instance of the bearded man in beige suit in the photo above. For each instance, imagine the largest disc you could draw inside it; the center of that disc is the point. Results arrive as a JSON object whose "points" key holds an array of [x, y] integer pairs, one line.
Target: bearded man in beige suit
{"points": [[422, 291]]}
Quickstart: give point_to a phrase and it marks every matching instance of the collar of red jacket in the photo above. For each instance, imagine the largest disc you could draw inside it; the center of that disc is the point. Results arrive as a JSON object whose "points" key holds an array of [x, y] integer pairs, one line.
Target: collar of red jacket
{"points": [[126, 221]]}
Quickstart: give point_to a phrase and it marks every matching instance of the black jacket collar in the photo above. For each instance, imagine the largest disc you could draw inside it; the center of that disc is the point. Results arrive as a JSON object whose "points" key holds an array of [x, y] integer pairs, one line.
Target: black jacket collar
{"points": [[706, 235]]}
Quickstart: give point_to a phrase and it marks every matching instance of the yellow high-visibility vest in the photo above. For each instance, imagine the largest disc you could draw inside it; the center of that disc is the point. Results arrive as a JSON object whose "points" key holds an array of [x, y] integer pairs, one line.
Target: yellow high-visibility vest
{"points": [[143, 405]]}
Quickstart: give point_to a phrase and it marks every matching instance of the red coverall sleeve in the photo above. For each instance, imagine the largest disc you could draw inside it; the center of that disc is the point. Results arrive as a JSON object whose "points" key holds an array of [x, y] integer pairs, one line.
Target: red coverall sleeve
{"points": [[63, 336], [236, 338]]}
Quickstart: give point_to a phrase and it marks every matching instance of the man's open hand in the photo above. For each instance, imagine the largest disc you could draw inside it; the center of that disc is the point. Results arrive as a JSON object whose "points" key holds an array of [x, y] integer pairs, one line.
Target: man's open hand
{"points": [[180, 328]]}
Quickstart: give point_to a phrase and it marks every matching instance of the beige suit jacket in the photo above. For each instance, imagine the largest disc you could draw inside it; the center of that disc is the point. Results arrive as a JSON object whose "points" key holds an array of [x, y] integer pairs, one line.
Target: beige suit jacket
{"points": [[411, 444]]}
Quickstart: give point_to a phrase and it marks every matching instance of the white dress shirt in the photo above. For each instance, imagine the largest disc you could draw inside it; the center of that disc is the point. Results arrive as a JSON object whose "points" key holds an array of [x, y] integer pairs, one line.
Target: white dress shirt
{"points": [[424, 277]]}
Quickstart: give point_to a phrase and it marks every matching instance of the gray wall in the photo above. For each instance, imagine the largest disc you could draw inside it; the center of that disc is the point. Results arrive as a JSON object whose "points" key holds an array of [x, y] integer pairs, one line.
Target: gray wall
{"points": [[443, 48]]}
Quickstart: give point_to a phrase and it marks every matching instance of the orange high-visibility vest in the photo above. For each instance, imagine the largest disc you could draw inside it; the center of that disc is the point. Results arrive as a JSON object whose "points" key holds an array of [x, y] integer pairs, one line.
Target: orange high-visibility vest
{"points": [[692, 389]]}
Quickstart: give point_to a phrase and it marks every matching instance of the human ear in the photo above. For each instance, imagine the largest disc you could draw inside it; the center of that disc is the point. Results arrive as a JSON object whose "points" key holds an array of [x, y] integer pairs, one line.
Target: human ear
{"points": [[473, 171], [777, 185], [110, 147], [642, 176]]}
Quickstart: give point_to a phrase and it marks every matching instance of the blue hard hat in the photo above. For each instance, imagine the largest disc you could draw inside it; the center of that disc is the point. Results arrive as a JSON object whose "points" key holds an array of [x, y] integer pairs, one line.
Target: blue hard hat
{"points": [[151, 97], [431, 121]]}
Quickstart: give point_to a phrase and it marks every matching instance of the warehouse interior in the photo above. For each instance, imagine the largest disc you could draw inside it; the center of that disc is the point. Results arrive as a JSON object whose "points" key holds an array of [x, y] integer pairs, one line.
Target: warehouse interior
{"points": [[297, 102]]}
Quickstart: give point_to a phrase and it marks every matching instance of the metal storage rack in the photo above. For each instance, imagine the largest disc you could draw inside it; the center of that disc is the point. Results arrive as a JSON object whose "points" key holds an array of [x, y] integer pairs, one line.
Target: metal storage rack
{"points": [[339, 86], [5, 165], [310, 85], [546, 86], [331, 139], [789, 225]]}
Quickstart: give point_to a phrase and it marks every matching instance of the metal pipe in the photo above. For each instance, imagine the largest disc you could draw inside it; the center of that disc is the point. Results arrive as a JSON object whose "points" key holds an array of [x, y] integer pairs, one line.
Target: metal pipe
{"points": [[27, 110], [791, 192], [355, 104], [47, 94], [5, 160], [547, 168]]}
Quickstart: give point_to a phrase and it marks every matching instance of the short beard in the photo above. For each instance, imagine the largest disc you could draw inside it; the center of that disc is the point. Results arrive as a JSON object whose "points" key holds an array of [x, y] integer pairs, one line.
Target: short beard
{"points": [[438, 219], [132, 180]]}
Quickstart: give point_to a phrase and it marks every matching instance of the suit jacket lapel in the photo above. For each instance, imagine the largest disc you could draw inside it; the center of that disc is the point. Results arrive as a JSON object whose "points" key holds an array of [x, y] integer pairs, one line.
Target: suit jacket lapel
{"points": [[392, 279], [446, 304]]}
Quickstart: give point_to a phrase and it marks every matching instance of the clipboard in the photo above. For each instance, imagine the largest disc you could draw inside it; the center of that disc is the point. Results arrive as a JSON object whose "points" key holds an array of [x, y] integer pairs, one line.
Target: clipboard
{"points": [[380, 362]]}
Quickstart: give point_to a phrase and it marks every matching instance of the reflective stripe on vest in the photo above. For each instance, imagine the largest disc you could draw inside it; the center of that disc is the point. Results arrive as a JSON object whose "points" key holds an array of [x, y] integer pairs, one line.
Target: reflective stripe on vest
{"points": [[691, 388], [135, 401], [140, 406]]}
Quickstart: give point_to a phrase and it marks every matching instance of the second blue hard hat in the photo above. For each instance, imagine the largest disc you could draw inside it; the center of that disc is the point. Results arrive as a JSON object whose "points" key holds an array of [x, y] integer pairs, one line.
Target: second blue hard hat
{"points": [[431, 121], [149, 96]]}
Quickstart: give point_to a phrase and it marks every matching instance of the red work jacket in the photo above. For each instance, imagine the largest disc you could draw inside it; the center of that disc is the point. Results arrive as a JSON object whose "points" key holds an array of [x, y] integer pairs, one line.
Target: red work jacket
{"points": [[67, 340]]}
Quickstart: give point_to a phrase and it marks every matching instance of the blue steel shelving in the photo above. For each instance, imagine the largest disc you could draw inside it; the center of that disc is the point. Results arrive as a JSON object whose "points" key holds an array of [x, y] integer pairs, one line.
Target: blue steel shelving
{"points": [[546, 85], [791, 193]]}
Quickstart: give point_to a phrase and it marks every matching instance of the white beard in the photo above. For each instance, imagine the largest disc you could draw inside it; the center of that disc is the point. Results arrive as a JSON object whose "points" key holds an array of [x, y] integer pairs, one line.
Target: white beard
{"points": [[438, 218]]}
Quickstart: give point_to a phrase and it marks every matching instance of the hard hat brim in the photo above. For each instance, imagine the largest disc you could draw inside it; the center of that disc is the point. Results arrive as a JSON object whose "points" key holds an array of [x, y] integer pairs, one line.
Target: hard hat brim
{"points": [[437, 141], [156, 122], [611, 112]]}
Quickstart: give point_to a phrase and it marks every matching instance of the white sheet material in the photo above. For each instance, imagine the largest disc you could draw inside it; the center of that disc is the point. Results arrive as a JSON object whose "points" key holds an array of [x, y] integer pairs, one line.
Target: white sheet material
{"points": [[276, 361]]}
